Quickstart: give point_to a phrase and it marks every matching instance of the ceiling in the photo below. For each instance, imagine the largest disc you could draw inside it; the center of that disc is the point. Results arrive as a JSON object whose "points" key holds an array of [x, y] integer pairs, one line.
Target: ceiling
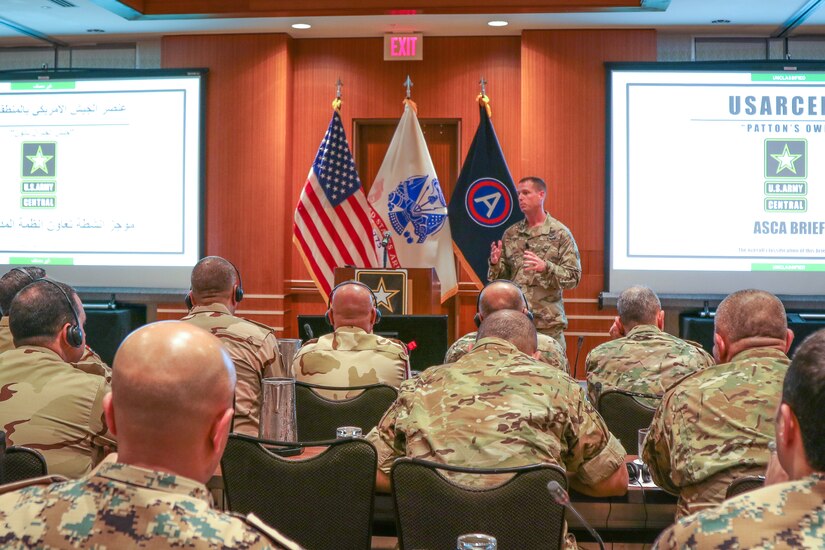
{"points": [[131, 20]]}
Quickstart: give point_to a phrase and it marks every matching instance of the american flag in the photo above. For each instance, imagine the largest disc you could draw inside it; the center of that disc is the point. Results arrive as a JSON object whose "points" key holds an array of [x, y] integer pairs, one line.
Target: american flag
{"points": [[332, 226]]}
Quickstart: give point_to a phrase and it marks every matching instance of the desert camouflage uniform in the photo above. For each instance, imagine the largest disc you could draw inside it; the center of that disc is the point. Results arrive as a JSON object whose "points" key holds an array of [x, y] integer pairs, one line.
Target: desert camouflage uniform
{"points": [[6, 342], [787, 515], [553, 243], [350, 356], [714, 426], [48, 405], [497, 407], [90, 362], [550, 350], [123, 506], [254, 351], [646, 360]]}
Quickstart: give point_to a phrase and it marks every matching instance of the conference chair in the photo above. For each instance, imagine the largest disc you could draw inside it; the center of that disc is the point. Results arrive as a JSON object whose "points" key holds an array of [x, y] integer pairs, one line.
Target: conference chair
{"points": [[744, 484], [21, 463], [318, 416], [432, 511], [625, 415], [324, 501]]}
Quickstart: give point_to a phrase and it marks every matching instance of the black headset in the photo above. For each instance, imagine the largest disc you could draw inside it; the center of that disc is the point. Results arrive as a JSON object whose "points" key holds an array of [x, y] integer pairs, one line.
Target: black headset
{"points": [[359, 283], [24, 272], [477, 317], [238, 289], [74, 334]]}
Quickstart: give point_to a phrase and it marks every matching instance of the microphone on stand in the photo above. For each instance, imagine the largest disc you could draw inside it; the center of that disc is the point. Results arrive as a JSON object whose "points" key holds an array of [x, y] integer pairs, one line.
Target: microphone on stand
{"points": [[384, 243], [308, 331], [561, 497], [578, 350]]}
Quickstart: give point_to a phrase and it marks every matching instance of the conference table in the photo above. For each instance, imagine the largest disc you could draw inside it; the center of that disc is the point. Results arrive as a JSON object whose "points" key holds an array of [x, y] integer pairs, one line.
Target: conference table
{"points": [[636, 517]]}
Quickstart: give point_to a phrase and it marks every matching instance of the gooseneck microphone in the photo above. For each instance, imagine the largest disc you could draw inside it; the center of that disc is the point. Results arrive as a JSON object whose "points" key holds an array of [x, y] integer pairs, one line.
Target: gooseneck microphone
{"points": [[308, 331], [578, 351], [561, 497]]}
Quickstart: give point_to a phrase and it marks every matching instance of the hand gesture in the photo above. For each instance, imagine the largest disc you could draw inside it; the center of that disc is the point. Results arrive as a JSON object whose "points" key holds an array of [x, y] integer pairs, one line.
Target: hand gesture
{"points": [[495, 252], [533, 262]]}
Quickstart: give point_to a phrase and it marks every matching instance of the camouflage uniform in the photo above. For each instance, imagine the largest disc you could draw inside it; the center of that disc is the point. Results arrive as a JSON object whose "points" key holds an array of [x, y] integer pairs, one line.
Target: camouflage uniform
{"points": [[254, 351], [553, 243], [48, 405], [647, 360], [550, 351], [351, 356], [787, 515], [90, 362], [6, 342], [714, 426], [123, 506], [497, 407]]}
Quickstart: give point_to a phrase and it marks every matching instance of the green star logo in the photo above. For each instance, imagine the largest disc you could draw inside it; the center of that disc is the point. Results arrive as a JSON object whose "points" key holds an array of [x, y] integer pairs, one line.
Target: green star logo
{"points": [[786, 160], [39, 161]]}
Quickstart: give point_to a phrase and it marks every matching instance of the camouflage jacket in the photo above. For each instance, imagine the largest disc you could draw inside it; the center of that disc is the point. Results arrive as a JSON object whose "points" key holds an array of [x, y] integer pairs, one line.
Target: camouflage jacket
{"points": [[787, 515], [50, 406], [90, 362], [123, 506], [553, 243], [497, 407], [717, 419], [6, 342], [350, 356], [550, 351], [647, 360], [254, 351]]}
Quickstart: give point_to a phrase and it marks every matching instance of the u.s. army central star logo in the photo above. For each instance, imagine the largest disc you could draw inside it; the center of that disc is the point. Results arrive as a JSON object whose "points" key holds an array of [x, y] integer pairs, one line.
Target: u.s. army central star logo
{"points": [[786, 158], [39, 159], [383, 297]]}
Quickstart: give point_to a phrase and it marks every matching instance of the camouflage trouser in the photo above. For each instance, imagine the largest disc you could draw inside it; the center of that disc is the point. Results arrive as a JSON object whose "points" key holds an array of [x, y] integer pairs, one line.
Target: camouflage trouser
{"points": [[711, 492]]}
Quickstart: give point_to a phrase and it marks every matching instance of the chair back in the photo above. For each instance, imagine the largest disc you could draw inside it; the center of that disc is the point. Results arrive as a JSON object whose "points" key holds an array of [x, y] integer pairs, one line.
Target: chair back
{"points": [[320, 502], [21, 463], [432, 511], [625, 415], [318, 416], [743, 485]]}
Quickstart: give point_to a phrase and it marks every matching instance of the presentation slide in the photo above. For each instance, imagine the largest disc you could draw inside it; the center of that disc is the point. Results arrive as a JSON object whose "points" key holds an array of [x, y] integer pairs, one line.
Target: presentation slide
{"points": [[100, 178], [717, 179]]}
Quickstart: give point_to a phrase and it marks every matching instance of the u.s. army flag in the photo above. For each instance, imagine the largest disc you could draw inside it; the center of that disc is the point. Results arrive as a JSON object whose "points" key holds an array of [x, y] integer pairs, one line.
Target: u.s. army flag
{"points": [[407, 201]]}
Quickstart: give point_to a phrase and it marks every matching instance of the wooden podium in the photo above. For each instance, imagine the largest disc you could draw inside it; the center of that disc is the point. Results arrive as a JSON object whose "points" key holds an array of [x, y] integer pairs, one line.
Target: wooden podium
{"points": [[422, 294]]}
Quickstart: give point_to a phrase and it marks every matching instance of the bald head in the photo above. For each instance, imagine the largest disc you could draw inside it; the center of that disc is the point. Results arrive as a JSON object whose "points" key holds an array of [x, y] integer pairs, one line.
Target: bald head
{"points": [[352, 305], [638, 305], [213, 280], [751, 314], [500, 295], [171, 381], [510, 325]]}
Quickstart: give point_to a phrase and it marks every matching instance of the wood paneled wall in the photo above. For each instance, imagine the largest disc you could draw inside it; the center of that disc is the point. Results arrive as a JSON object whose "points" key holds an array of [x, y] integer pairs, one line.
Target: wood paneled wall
{"points": [[269, 104], [248, 159]]}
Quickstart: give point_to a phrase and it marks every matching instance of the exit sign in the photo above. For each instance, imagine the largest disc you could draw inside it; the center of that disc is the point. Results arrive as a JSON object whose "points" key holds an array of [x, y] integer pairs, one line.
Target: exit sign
{"points": [[403, 47]]}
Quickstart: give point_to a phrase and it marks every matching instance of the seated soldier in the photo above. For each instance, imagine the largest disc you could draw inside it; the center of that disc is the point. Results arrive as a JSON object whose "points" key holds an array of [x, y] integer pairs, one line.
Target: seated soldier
{"points": [[788, 512], [214, 295], [503, 294], [643, 358], [497, 406], [13, 282], [171, 407], [352, 355], [715, 425], [50, 405]]}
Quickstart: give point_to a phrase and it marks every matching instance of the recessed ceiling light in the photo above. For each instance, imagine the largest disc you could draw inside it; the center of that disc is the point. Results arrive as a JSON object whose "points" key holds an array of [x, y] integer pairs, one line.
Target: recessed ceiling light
{"points": [[301, 26], [498, 23], [95, 30], [720, 22]]}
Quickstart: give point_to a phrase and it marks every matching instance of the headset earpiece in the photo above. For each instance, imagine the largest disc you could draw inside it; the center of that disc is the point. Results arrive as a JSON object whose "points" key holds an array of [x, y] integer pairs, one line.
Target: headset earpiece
{"points": [[188, 300]]}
